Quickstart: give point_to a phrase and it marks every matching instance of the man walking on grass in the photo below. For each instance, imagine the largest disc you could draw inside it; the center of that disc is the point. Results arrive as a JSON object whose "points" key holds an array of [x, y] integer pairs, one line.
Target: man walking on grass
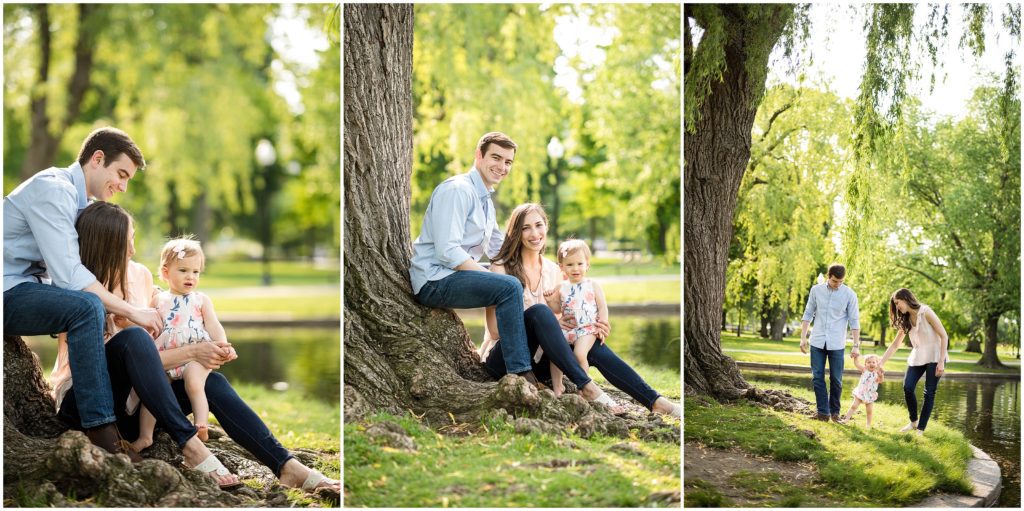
{"points": [[833, 307]]}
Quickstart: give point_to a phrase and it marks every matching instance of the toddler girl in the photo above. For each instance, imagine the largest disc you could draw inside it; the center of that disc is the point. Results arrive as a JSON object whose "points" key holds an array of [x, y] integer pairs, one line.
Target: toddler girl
{"points": [[584, 300], [189, 318], [866, 390]]}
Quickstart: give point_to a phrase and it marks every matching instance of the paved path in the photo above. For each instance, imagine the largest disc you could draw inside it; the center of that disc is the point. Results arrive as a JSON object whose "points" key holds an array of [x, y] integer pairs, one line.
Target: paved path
{"points": [[275, 291], [798, 354]]}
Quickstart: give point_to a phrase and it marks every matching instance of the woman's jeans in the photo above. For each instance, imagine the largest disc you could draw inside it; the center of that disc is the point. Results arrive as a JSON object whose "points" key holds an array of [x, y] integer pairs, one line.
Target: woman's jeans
{"points": [[543, 329], [133, 361], [31, 308], [931, 383], [472, 289], [827, 400]]}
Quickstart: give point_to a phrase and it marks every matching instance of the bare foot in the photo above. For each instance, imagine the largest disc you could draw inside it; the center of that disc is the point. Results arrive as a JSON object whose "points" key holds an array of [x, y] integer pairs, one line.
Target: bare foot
{"points": [[142, 443], [203, 433], [558, 389]]}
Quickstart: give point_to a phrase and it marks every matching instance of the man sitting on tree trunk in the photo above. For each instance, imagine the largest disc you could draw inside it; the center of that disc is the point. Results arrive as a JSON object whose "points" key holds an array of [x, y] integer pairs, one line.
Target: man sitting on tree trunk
{"points": [[47, 290], [459, 225], [833, 306]]}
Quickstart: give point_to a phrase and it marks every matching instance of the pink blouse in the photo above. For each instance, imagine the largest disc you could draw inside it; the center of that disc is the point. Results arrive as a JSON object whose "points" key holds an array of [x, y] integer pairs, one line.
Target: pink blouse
{"points": [[140, 292]]}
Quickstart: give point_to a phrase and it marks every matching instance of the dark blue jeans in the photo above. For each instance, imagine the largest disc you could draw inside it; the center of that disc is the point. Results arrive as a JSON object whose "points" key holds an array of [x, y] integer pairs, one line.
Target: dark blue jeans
{"points": [[542, 329], [472, 289], [135, 362], [31, 308], [827, 400], [931, 383]]}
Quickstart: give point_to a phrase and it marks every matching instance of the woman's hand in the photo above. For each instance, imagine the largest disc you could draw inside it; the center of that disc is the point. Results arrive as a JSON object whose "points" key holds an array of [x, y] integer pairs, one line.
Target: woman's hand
{"points": [[212, 355], [604, 329], [568, 320], [940, 368]]}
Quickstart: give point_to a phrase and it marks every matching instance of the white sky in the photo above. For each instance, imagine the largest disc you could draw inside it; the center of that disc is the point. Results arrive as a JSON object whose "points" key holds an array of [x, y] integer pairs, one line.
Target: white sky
{"points": [[297, 43], [838, 39]]}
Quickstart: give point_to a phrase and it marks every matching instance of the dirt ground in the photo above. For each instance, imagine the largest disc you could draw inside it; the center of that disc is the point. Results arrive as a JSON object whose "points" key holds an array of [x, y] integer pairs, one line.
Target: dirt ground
{"points": [[745, 479]]}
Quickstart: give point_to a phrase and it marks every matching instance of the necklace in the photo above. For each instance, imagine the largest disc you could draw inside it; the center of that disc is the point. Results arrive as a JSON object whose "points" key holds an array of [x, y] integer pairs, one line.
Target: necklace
{"points": [[529, 287]]}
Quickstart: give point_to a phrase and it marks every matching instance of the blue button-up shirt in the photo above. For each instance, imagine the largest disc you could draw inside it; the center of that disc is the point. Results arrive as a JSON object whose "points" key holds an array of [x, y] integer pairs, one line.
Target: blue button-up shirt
{"points": [[40, 241], [459, 225], [832, 311]]}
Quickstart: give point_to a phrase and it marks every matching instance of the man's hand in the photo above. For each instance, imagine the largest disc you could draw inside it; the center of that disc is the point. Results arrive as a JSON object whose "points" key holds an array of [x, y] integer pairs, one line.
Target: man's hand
{"points": [[854, 355], [803, 345], [147, 318]]}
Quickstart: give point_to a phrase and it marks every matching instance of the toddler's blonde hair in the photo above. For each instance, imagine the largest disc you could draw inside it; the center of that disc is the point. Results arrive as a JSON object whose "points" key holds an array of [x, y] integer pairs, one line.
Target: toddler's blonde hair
{"points": [[571, 247], [180, 248]]}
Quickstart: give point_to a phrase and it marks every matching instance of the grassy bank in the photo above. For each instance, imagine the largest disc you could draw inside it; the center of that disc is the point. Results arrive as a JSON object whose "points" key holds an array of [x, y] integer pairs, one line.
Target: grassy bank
{"points": [[855, 466], [787, 351], [492, 466]]}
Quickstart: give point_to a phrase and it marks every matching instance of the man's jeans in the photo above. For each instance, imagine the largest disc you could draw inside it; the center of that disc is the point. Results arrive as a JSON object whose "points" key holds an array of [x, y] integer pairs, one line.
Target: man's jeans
{"points": [[31, 308], [827, 401], [931, 384], [472, 289]]}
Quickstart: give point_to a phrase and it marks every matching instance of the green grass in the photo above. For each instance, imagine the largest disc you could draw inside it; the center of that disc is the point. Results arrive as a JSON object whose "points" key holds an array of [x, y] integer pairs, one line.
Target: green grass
{"points": [[610, 266], [789, 353], [301, 304], [661, 291], [495, 467], [856, 466], [296, 421], [700, 493]]}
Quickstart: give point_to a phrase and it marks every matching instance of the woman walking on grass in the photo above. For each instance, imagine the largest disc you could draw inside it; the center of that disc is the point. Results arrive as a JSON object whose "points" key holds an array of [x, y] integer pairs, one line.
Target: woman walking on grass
{"points": [[918, 321]]}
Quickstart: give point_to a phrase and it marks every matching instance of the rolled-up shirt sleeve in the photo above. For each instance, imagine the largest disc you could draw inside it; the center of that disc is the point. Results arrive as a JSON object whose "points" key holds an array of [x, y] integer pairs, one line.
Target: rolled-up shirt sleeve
{"points": [[811, 307], [50, 217], [448, 225], [853, 312]]}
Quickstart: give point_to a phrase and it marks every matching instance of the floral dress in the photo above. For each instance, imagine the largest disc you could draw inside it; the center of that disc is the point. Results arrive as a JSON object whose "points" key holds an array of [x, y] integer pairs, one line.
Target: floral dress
{"points": [[867, 388], [183, 323], [580, 301]]}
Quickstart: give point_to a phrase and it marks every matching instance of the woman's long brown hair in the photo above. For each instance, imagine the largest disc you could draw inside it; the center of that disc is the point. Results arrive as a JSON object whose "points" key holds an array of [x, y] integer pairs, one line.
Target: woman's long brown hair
{"points": [[103, 244], [900, 320], [511, 254]]}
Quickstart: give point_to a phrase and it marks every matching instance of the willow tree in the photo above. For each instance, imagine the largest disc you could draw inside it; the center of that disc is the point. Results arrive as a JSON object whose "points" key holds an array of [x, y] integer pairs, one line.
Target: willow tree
{"points": [[726, 55], [399, 355]]}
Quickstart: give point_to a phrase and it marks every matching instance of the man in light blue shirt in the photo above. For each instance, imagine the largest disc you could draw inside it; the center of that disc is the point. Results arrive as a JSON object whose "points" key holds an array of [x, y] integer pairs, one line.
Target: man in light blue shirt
{"points": [[833, 307], [458, 227], [47, 290]]}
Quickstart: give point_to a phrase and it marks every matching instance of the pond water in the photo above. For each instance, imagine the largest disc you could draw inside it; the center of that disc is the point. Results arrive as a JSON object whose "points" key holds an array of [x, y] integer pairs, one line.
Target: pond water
{"points": [[306, 359], [987, 412], [650, 340]]}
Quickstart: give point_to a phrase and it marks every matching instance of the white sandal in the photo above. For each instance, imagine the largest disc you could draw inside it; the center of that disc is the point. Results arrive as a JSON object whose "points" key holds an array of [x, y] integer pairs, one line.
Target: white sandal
{"points": [[212, 467], [314, 479]]}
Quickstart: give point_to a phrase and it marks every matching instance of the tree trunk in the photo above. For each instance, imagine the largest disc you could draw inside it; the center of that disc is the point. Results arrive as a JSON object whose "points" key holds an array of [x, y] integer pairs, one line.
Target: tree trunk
{"points": [[716, 152], [881, 336], [766, 319], [399, 355], [779, 323], [58, 467], [44, 143], [990, 358]]}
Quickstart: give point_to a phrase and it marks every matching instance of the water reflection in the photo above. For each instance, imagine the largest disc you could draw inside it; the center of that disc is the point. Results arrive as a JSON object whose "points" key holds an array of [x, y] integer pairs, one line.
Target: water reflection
{"points": [[987, 412], [650, 340], [306, 359]]}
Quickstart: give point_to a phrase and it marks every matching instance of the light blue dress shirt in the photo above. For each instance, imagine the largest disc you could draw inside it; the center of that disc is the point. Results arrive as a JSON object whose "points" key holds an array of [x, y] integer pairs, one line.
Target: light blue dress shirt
{"points": [[832, 311], [40, 241], [459, 225]]}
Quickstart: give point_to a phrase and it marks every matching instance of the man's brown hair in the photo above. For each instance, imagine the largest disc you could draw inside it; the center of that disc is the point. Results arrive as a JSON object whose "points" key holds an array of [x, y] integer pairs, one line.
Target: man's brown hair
{"points": [[495, 137], [113, 142], [837, 270]]}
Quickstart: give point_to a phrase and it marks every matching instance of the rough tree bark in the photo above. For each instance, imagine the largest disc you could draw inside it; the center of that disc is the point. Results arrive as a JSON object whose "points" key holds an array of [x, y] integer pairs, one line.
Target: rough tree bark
{"points": [[716, 152], [45, 464], [399, 355], [44, 143]]}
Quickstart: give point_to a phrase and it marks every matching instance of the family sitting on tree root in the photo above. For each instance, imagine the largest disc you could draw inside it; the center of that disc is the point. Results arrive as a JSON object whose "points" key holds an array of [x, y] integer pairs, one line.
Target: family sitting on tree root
{"points": [[833, 308], [525, 335], [67, 269]]}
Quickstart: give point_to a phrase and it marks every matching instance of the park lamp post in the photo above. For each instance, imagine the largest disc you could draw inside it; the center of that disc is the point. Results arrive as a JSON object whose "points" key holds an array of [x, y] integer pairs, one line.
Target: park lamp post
{"points": [[266, 156], [555, 153]]}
